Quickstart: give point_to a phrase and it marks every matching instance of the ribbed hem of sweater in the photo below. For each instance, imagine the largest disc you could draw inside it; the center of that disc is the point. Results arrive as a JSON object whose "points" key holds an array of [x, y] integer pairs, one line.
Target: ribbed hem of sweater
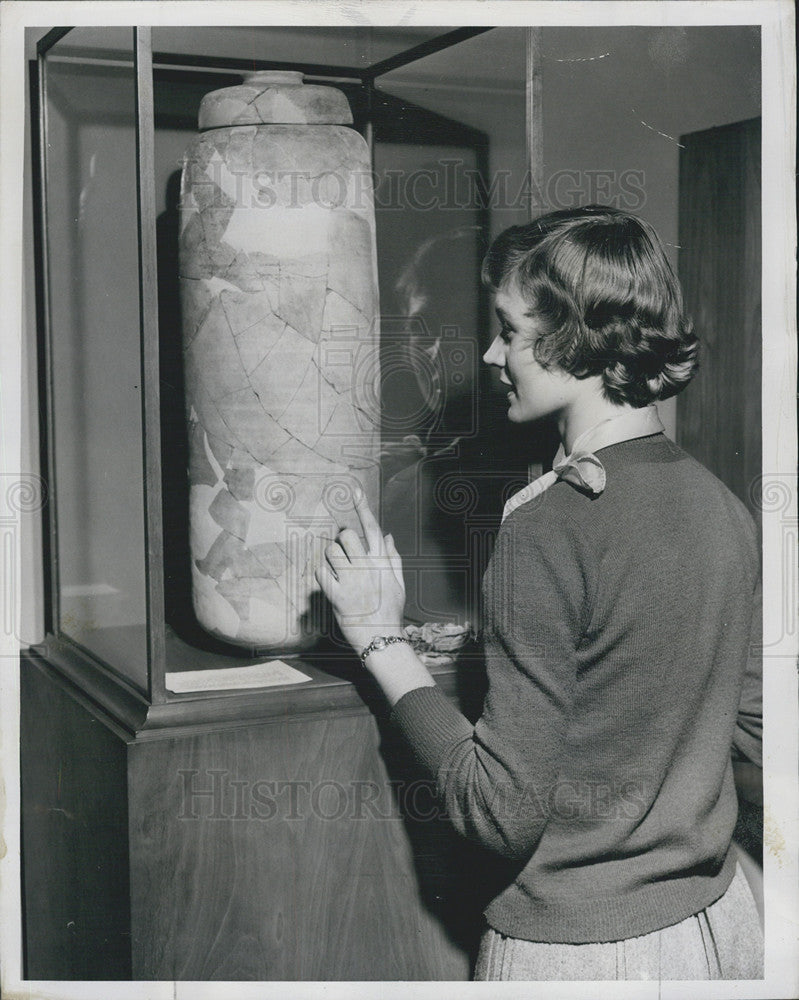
{"points": [[597, 920], [433, 722]]}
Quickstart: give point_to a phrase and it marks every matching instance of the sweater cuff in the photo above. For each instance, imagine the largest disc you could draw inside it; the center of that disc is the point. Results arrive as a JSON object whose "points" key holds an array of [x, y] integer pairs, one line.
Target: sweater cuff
{"points": [[431, 724]]}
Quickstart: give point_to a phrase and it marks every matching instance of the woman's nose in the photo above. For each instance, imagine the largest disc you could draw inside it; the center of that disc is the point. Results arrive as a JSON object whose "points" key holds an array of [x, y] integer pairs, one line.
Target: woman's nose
{"points": [[495, 355]]}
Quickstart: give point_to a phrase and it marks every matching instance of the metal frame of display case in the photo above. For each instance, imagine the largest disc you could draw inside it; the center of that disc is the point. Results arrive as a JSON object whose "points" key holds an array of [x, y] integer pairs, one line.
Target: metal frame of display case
{"points": [[128, 710]]}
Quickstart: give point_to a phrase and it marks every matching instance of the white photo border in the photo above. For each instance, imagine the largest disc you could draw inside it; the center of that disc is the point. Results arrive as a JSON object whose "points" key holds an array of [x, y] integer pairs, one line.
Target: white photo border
{"points": [[781, 749]]}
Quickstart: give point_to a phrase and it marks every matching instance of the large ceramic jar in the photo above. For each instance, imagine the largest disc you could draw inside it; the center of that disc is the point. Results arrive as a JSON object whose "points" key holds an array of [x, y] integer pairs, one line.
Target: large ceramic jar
{"points": [[280, 324]]}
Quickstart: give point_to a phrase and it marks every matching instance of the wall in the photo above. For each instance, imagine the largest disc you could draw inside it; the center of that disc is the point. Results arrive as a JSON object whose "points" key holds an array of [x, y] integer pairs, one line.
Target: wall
{"points": [[616, 100]]}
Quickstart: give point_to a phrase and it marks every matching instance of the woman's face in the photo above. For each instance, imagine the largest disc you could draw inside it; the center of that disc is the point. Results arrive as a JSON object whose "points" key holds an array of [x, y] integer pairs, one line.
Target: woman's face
{"points": [[535, 391]]}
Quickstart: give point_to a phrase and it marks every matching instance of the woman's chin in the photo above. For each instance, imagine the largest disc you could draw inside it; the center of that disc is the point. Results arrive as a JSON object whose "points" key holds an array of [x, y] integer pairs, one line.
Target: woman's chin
{"points": [[517, 414]]}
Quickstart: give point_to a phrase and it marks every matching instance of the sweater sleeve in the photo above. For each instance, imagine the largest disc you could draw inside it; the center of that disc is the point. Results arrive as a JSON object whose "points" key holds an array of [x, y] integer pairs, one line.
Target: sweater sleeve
{"points": [[747, 741], [496, 777]]}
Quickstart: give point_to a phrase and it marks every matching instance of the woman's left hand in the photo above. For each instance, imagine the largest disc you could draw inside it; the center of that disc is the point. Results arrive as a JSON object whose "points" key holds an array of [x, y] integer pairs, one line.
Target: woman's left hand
{"points": [[364, 583]]}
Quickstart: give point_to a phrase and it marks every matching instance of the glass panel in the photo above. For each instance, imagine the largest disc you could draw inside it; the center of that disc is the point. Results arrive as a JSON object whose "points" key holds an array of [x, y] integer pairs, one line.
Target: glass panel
{"points": [[353, 47], [452, 119], [452, 174], [177, 97], [93, 266]]}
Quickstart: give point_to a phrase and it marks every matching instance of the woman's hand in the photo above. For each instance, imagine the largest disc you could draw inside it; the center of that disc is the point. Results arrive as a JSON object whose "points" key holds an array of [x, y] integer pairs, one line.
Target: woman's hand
{"points": [[364, 585]]}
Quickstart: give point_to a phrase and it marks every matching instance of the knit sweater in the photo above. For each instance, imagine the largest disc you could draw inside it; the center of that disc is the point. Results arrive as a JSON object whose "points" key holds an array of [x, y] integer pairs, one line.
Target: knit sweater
{"points": [[616, 632]]}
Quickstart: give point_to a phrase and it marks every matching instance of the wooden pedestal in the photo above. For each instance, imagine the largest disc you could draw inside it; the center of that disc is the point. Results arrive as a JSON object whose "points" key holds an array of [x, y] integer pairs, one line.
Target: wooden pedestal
{"points": [[300, 845]]}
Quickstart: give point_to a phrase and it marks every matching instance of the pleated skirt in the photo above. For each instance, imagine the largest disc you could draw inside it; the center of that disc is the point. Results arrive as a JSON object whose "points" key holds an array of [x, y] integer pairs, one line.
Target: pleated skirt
{"points": [[723, 941]]}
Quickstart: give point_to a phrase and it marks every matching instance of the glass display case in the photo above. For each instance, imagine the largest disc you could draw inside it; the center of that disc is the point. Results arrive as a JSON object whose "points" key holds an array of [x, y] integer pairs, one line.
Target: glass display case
{"points": [[117, 109], [129, 700]]}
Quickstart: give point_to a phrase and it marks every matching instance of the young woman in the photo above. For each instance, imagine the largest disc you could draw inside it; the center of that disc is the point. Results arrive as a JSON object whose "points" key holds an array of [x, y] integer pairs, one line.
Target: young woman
{"points": [[618, 606]]}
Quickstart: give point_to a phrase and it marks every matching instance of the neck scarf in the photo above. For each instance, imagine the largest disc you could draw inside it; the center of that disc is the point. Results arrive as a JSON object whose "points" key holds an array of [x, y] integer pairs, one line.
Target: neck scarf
{"points": [[581, 467]]}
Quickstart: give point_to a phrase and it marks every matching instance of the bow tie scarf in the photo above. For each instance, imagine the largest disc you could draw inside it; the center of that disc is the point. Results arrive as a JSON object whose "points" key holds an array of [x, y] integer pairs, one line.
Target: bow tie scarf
{"points": [[581, 467]]}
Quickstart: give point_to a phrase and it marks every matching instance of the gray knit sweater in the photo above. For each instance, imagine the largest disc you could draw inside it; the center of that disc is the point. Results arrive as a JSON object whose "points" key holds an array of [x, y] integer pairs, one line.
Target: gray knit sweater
{"points": [[616, 635]]}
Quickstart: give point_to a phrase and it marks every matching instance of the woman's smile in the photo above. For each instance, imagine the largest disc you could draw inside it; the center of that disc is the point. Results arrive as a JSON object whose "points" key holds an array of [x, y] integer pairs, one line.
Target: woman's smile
{"points": [[535, 391]]}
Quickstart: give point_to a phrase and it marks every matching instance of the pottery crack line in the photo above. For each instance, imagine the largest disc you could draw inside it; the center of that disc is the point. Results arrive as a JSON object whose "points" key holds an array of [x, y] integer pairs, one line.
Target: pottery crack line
{"points": [[287, 550], [234, 392], [329, 421], [293, 166], [277, 341], [255, 323], [254, 99], [241, 275], [278, 581], [339, 392], [355, 306], [190, 340], [222, 420], [334, 469], [338, 138], [264, 357], [274, 419], [307, 557], [261, 362], [300, 383], [241, 359], [283, 320], [238, 352], [309, 565], [370, 416], [283, 427], [277, 421]]}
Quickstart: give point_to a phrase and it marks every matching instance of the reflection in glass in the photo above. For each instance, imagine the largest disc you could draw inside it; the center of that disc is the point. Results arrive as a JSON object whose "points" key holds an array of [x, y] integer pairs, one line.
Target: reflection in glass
{"points": [[455, 178], [94, 317]]}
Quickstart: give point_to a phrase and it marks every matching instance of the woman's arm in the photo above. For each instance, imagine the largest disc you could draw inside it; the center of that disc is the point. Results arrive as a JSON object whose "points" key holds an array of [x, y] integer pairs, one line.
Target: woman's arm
{"points": [[365, 588], [398, 670], [747, 744], [494, 778]]}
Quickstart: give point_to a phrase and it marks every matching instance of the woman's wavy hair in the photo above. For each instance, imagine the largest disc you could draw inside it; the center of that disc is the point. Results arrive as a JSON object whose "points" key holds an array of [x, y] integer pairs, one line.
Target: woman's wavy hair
{"points": [[608, 303]]}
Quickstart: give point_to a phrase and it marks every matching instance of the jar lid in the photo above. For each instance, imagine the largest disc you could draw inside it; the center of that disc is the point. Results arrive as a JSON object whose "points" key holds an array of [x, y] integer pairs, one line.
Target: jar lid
{"points": [[274, 97]]}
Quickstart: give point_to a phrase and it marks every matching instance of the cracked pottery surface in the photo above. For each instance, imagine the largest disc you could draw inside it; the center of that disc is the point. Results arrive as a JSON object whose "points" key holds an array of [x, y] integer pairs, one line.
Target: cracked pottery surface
{"points": [[278, 280]]}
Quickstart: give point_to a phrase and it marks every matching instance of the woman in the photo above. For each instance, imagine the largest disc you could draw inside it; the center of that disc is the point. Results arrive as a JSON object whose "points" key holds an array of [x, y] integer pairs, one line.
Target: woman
{"points": [[618, 606]]}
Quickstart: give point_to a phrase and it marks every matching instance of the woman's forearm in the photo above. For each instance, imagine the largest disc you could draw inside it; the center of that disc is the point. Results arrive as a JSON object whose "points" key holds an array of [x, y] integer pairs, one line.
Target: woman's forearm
{"points": [[398, 670]]}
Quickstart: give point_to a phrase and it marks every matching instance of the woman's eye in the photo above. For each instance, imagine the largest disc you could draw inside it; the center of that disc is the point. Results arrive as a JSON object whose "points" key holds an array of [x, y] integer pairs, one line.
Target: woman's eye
{"points": [[505, 332]]}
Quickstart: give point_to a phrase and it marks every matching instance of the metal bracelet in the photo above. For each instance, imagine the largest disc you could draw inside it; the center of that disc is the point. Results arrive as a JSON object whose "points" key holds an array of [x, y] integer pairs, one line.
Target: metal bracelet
{"points": [[380, 642]]}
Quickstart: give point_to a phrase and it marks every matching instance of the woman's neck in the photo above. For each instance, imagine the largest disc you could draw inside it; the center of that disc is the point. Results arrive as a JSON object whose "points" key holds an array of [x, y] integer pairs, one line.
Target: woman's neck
{"points": [[588, 409]]}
